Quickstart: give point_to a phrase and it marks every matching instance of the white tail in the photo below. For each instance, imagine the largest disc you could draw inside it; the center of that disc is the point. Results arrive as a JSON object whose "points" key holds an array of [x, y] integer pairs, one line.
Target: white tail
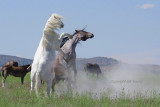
{"points": [[38, 83]]}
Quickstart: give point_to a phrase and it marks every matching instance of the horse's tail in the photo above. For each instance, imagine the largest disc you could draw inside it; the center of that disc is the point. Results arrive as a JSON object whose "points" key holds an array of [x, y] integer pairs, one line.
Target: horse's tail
{"points": [[38, 82]]}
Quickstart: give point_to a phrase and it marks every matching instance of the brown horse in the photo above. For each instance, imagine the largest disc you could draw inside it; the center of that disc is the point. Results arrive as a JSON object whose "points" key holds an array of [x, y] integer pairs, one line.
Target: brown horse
{"points": [[11, 63], [92, 68], [62, 67], [20, 71]]}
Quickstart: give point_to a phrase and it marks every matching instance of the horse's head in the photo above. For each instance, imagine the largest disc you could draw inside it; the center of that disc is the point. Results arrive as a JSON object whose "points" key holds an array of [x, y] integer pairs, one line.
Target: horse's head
{"points": [[54, 22], [83, 35], [57, 20]]}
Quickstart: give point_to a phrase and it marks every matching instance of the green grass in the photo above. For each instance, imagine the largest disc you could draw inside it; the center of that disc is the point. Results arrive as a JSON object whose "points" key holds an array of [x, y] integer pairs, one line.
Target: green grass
{"points": [[16, 95]]}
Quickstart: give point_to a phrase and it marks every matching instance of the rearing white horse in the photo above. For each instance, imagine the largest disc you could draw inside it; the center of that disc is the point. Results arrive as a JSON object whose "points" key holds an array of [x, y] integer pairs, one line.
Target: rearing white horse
{"points": [[45, 54]]}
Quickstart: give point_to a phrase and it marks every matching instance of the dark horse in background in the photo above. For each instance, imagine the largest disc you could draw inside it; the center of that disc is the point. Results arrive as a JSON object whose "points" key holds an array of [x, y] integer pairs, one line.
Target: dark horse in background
{"points": [[92, 68], [11, 68], [11, 63]]}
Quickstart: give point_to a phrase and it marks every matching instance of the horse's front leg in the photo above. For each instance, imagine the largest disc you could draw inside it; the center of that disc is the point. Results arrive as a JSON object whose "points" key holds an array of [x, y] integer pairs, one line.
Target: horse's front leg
{"points": [[53, 84], [22, 79], [4, 78]]}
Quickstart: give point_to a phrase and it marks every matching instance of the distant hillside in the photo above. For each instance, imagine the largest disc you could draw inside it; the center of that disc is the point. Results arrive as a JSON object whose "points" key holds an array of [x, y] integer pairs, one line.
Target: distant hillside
{"points": [[102, 61], [21, 61], [106, 64]]}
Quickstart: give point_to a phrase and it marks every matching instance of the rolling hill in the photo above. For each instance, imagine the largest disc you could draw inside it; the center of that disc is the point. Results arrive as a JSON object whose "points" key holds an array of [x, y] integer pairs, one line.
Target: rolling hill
{"points": [[106, 64]]}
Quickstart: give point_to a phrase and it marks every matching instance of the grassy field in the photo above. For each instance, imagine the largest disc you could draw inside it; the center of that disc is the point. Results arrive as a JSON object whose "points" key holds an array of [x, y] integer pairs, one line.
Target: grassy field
{"points": [[16, 95]]}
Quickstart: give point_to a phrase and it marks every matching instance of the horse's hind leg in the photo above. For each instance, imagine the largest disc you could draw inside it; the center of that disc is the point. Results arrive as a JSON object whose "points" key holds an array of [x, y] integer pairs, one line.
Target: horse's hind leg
{"points": [[69, 81], [42, 82], [22, 79], [53, 84], [3, 83], [32, 85], [75, 73], [32, 81], [38, 83], [73, 68], [49, 85]]}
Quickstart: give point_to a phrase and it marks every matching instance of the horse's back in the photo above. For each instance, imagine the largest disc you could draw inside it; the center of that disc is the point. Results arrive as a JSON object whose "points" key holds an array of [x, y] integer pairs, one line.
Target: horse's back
{"points": [[92, 68]]}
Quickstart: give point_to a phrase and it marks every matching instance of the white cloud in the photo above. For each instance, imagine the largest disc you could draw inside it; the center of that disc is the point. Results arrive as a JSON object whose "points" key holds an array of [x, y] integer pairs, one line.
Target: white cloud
{"points": [[147, 6]]}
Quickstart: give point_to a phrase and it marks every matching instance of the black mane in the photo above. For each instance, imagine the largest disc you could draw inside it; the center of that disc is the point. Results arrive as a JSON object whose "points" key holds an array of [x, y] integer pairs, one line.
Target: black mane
{"points": [[65, 39]]}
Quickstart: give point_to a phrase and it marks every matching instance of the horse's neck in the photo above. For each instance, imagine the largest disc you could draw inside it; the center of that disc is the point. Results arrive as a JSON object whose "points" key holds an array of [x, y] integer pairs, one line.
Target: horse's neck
{"points": [[48, 39], [71, 43]]}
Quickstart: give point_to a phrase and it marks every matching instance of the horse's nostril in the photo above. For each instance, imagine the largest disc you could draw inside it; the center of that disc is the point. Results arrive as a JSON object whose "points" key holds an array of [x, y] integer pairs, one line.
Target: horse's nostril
{"points": [[92, 36]]}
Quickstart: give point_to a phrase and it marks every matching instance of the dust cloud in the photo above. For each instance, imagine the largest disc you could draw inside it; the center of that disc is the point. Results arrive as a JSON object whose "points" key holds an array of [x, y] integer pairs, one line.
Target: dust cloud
{"points": [[128, 80]]}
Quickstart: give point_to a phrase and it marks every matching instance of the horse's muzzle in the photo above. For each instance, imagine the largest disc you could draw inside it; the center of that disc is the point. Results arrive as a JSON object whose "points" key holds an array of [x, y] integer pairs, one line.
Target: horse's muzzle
{"points": [[91, 36], [62, 25]]}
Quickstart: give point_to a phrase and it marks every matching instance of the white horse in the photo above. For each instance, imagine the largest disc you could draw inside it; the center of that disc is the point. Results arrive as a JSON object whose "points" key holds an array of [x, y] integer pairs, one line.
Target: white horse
{"points": [[45, 54]]}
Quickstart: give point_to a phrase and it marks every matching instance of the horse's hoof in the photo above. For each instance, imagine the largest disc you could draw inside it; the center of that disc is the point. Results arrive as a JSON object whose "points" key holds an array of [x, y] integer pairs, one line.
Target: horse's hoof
{"points": [[3, 85]]}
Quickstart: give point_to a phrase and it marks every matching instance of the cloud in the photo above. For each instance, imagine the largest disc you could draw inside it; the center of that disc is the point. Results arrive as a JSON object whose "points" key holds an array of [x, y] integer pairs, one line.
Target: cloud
{"points": [[147, 6]]}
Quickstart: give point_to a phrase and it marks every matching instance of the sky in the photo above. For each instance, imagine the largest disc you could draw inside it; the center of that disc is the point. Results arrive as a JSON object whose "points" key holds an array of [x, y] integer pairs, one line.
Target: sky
{"points": [[127, 30]]}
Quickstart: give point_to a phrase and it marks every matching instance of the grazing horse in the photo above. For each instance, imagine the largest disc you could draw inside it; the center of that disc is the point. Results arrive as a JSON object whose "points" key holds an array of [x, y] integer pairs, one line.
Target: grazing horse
{"points": [[20, 71], [92, 68], [45, 54], [11, 63], [62, 67]]}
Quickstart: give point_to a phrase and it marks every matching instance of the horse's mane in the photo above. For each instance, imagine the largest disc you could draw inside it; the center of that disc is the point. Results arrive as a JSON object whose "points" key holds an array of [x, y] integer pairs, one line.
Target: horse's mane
{"points": [[65, 39], [50, 26]]}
